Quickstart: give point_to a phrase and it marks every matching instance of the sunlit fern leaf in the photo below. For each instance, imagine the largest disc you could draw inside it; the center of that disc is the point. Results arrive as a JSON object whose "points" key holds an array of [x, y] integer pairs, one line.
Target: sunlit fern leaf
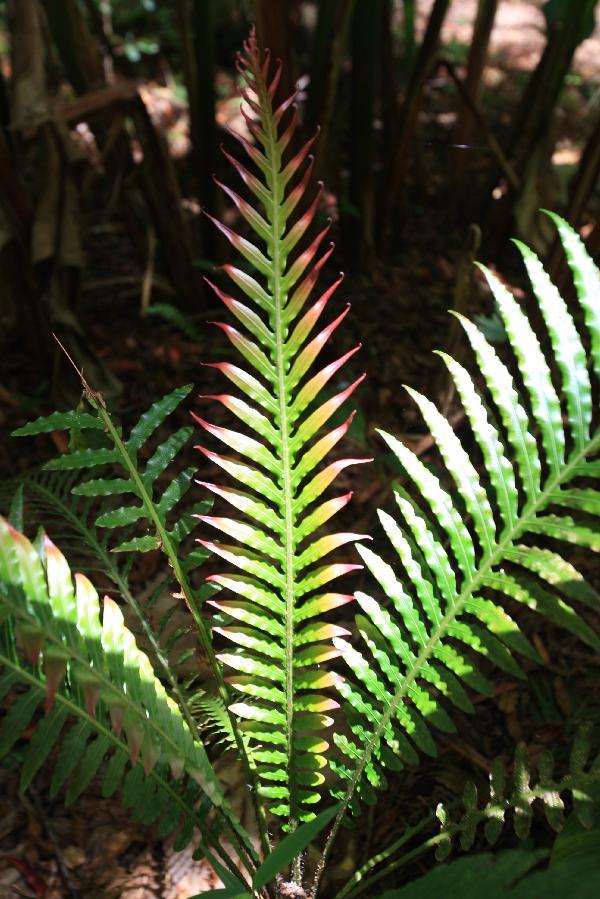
{"points": [[515, 795], [56, 652], [52, 501], [136, 487], [273, 610], [471, 552]]}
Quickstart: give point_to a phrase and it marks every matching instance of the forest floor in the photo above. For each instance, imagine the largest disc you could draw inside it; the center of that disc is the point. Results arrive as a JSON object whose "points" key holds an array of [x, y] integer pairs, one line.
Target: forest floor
{"points": [[93, 849]]}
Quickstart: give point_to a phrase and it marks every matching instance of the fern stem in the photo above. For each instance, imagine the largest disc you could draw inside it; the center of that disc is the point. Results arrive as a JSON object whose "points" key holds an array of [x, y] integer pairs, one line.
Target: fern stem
{"points": [[357, 884], [286, 473], [192, 605], [487, 565], [398, 863]]}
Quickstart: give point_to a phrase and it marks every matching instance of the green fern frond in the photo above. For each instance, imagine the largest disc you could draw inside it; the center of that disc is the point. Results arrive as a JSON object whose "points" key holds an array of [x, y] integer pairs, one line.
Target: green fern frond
{"points": [[52, 501], [55, 651], [213, 721], [150, 509], [519, 794], [274, 617], [49, 502], [175, 317], [470, 556], [137, 482]]}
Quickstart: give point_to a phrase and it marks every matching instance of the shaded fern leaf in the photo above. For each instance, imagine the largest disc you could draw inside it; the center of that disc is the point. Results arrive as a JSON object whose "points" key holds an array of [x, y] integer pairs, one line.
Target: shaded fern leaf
{"points": [[50, 502], [273, 610], [213, 721], [469, 557], [130, 501], [517, 793], [54, 644]]}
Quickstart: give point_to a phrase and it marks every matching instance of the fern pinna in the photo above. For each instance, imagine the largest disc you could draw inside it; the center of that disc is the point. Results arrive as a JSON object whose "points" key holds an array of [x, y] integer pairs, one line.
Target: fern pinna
{"points": [[475, 552], [274, 618]]}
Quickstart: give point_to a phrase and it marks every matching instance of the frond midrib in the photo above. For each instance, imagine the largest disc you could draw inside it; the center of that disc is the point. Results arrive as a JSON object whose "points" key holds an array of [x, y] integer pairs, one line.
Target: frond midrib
{"points": [[286, 467], [487, 564]]}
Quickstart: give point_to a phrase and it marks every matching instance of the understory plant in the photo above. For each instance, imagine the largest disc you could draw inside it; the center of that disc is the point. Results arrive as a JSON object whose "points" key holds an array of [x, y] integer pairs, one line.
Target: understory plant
{"points": [[320, 707]]}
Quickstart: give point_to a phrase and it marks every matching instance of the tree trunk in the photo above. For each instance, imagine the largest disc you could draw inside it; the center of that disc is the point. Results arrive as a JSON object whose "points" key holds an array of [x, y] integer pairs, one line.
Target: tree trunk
{"points": [[395, 167]]}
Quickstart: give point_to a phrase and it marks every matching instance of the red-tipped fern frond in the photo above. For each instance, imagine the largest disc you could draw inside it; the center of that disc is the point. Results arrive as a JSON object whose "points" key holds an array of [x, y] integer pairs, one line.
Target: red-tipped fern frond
{"points": [[273, 610]]}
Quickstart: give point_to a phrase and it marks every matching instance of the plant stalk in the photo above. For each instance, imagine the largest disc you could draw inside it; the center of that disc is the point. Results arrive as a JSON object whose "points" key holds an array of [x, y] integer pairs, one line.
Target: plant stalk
{"points": [[286, 473]]}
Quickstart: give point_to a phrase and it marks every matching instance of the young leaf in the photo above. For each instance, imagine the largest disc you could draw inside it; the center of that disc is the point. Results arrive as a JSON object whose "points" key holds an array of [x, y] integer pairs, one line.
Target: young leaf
{"points": [[275, 460]]}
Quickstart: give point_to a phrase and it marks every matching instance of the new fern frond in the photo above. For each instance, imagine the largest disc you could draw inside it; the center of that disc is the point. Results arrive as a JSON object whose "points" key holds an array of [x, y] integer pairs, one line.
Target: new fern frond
{"points": [[274, 616], [479, 549]]}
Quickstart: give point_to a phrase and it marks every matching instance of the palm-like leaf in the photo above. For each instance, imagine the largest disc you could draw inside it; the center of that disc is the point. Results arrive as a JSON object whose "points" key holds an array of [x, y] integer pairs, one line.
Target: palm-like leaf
{"points": [[274, 613], [477, 550], [80, 666]]}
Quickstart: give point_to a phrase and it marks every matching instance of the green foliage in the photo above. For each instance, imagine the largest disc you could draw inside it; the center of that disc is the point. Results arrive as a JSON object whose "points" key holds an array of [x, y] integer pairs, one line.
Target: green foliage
{"points": [[176, 318], [471, 559], [277, 861], [273, 612], [508, 875], [471, 555], [137, 482], [53, 502], [580, 783], [55, 650], [291, 847], [213, 720]]}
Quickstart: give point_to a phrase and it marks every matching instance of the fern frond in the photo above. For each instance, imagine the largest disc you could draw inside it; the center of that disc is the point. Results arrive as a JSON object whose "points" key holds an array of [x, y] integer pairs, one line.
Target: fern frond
{"points": [[49, 502], [213, 721], [274, 618], [52, 501], [518, 794], [141, 487], [55, 648], [480, 551]]}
